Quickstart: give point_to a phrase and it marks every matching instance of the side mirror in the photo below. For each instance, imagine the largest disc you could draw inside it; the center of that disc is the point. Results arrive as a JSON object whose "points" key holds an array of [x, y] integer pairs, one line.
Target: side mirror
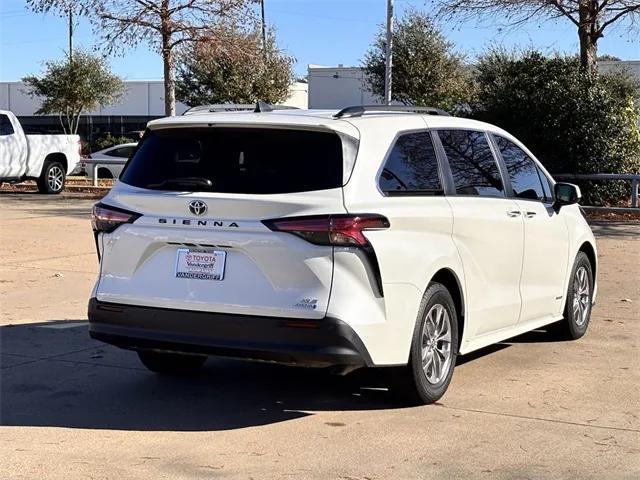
{"points": [[566, 194]]}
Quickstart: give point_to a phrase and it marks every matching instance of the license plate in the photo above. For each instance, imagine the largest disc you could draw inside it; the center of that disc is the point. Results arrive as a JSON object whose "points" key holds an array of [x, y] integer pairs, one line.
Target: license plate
{"points": [[200, 265]]}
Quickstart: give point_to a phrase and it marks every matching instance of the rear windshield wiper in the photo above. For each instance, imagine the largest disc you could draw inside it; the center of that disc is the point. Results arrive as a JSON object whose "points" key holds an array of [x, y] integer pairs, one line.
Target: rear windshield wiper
{"points": [[183, 182]]}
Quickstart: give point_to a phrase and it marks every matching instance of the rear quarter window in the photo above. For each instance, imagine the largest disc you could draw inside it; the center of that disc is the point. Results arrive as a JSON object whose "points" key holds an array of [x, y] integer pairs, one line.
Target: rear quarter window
{"points": [[237, 160], [411, 167]]}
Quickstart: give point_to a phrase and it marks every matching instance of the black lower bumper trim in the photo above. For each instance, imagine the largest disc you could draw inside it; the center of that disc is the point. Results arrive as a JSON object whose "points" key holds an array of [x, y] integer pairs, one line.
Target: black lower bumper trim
{"points": [[323, 342]]}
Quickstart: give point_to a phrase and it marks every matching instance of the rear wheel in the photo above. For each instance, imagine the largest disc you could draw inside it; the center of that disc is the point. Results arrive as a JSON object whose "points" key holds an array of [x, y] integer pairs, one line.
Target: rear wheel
{"points": [[433, 349], [52, 178], [104, 173], [171, 363], [577, 311]]}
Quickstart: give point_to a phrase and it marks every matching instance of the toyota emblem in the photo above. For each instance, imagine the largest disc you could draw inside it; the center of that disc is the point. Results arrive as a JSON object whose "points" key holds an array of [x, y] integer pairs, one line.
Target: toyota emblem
{"points": [[197, 207]]}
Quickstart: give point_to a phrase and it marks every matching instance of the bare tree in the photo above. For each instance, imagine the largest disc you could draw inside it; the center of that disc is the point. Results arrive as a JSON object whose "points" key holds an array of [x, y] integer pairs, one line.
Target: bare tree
{"points": [[163, 24], [590, 17], [255, 70]]}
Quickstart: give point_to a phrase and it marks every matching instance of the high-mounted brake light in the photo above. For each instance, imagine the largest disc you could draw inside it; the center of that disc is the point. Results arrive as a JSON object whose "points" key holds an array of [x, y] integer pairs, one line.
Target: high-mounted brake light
{"points": [[337, 230], [106, 219]]}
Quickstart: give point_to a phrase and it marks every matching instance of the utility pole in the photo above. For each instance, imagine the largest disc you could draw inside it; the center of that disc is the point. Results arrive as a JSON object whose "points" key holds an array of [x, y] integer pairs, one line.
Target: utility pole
{"points": [[388, 54], [264, 28], [70, 33]]}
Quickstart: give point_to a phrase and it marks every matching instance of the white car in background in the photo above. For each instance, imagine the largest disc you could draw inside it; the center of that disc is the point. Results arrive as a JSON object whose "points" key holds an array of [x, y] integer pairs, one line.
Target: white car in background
{"points": [[369, 237], [48, 159], [109, 161]]}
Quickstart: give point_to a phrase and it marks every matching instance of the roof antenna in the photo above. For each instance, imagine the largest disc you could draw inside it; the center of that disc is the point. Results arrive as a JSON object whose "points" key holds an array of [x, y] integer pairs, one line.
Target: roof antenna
{"points": [[262, 107]]}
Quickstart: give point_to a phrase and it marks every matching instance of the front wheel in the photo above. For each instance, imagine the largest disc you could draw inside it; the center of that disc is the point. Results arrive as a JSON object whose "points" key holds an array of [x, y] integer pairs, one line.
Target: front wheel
{"points": [[433, 349], [577, 311], [171, 363], [52, 178]]}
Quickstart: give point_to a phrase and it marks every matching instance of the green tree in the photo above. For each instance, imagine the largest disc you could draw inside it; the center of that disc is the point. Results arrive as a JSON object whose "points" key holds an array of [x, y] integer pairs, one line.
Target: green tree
{"points": [[69, 88], [426, 69], [573, 122], [208, 73]]}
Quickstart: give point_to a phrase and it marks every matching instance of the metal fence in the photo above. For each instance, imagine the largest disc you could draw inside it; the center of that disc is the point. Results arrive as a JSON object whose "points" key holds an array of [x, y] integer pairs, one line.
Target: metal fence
{"points": [[630, 177]]}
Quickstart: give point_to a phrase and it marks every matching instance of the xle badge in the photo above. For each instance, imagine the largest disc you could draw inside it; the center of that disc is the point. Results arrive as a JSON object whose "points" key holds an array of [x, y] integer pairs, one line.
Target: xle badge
{"points": [[308, 303]]}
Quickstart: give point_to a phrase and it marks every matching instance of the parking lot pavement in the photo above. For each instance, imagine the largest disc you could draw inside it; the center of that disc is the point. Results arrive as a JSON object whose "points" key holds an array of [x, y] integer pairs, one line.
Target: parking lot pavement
{"points": [[71, 407]]}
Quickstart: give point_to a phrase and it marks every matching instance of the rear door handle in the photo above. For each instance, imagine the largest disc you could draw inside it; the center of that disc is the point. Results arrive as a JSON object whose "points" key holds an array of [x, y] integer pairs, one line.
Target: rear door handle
{"points": [[513, 213], [530, 214]]}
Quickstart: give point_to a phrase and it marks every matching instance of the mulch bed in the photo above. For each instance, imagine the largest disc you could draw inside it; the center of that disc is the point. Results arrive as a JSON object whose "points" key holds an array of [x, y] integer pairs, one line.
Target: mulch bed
{"points": [[614, 216]]}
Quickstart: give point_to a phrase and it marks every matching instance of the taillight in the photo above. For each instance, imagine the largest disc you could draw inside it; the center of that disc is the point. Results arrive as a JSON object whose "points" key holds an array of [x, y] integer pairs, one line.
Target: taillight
{"points": [[337, 230], [106, 219]]}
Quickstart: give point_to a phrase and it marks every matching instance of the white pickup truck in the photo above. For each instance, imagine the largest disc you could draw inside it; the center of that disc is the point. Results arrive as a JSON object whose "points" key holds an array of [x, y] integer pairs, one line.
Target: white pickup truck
{"points": [[44, 158]]}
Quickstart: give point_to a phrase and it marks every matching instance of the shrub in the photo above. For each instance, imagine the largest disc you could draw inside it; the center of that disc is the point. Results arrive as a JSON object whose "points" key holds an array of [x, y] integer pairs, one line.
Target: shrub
{"points": [[427, 70], [574, 123]]}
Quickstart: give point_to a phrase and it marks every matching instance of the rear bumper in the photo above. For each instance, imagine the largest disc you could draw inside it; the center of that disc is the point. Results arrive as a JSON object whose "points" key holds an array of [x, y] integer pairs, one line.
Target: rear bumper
{"points": [[324, 342]]}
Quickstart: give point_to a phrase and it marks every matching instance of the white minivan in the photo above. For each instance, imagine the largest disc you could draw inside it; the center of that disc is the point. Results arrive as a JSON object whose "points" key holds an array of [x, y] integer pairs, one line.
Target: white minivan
{"points": [[369, 237]]}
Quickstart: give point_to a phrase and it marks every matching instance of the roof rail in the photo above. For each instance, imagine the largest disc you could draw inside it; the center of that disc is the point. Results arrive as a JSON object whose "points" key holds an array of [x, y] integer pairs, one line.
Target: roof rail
{"points": [[360, 110], [258, 107]]}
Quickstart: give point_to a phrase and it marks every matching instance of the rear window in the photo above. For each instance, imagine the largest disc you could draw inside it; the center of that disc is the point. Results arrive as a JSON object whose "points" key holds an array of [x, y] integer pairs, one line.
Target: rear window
{"points": [[236, 160], [5, 125], [122, 152]]}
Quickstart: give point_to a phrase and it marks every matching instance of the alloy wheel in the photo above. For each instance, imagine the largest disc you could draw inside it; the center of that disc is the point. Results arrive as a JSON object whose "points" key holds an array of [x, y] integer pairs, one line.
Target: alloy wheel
{"points": [[436, 344], [581, 296], [55, 178]]}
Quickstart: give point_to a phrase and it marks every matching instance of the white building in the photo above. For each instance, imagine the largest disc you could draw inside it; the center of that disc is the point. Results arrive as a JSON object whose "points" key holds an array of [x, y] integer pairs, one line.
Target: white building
{"points": [[337, 87], [141, 98], [631, 66], [142, 101]]}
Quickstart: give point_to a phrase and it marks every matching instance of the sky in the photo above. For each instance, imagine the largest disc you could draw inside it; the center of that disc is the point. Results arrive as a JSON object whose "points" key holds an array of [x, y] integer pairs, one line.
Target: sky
{"points": [[324, 32]]}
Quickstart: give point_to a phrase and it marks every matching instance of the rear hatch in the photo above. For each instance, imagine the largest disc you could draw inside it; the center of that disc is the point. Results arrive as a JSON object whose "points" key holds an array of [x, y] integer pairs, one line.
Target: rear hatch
{"points": [[197, 240]]}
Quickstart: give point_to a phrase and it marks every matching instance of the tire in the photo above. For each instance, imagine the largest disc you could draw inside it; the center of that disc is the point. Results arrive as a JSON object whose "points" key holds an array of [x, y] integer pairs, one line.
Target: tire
{"points": [[424, 385], [173, 364], [52, 178], [105, 173], [577, 311]]}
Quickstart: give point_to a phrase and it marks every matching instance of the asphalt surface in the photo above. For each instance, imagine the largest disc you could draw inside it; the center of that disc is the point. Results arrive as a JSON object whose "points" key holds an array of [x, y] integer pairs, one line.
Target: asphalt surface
{"points": [[70, 407]]}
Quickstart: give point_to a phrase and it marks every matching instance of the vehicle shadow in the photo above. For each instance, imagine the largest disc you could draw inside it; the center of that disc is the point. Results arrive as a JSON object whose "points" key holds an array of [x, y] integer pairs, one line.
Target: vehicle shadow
{"points": [[615, 229], [54, 375], [57, 376]]}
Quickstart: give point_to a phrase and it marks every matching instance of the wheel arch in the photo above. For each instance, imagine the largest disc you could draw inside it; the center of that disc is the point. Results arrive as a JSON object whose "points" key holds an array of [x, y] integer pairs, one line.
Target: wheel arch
{"points": [[57, 157], [590, 252], [451, 281]]}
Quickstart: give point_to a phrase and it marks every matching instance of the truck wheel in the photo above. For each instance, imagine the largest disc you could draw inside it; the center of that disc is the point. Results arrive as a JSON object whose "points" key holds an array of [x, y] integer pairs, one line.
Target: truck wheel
{"points": [[105, 173], [52, 178]]}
